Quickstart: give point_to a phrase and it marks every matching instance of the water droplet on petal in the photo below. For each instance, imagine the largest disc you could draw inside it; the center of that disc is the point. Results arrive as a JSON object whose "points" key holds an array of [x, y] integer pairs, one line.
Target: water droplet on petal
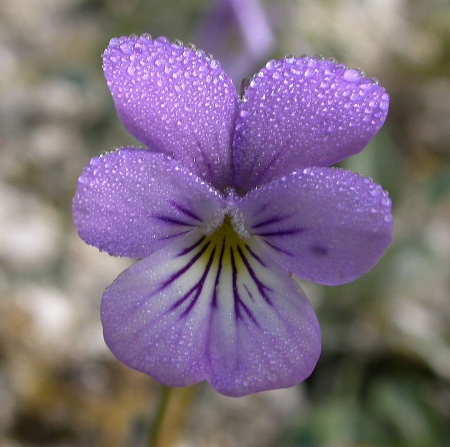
{"points": [[126, 48], [272, 377], [271, 64], [162, 40], [276, 75], [352, 75]]}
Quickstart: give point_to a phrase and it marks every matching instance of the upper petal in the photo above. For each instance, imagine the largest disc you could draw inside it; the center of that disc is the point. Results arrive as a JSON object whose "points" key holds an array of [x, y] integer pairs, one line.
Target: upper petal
{"points": [[132, 202], [212, 308], [304, 112], [174, 100], [325, 225]]}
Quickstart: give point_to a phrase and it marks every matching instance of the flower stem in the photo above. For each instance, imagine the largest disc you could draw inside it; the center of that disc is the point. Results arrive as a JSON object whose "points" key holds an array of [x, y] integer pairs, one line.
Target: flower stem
{"points": [[170, 420]]}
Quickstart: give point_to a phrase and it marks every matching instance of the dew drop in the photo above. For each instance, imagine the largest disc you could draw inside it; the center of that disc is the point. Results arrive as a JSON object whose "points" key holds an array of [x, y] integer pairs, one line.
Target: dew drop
{"points": [[352, 75], [162, 40], [126, 48], [276, 75], [272, 377], [271, 64]]}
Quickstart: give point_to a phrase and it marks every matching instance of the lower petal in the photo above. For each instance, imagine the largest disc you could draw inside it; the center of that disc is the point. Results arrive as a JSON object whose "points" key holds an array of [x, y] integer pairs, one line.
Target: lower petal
{"points": [[145, 319], [212, 308], [264, 334]]}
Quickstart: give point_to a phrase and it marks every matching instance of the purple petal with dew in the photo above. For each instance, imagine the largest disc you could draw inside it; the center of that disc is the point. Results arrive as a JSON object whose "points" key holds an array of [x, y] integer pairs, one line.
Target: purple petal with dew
{"points": [[325, 225], [133, 202], [264, 333], [212, 308], [299, 113], [175, 100]]}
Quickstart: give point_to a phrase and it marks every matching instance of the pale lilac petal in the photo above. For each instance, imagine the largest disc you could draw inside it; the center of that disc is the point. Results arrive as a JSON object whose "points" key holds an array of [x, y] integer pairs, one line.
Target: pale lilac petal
{"points": [[174, 100], [146, 323], [264, 333], [306, 112], [132, 202], [212, 308], [325, 225]]}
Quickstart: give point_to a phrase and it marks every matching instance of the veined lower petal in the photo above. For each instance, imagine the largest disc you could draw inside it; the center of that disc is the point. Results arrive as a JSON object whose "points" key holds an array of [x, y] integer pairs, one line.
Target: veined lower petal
{"points": [[213, 308]]}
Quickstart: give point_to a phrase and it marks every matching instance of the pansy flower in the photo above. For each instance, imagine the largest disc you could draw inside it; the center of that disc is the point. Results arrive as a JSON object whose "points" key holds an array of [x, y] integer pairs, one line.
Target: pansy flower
{"points": [[230, 198]]}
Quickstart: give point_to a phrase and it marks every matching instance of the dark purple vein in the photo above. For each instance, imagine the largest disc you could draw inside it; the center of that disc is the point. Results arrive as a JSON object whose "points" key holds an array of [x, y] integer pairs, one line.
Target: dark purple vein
{"points": [[171, 236], [172, 220], [219, 271], [288, 232], [262, 288], [197, 288], [185, 268], [278, 248], [185, 211], [237, 299], [188, 249], [249, 293], [261, 209], [272, 220], [255, 256]]}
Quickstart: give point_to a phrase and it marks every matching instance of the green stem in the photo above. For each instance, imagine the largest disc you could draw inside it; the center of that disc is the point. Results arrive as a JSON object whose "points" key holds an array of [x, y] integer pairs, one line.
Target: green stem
{"points": [[171, 418]]}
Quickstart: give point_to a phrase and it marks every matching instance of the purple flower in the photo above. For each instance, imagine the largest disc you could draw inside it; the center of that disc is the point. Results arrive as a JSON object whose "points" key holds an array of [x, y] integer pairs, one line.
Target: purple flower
{"points": [[229, 198], [230, 22]]}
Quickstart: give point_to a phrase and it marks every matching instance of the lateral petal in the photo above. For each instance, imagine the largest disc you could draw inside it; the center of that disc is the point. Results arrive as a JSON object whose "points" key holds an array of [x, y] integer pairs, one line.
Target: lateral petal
{"points": [[212, 308], [174, 100], [132, 202], [299, 113], [325, 225]]}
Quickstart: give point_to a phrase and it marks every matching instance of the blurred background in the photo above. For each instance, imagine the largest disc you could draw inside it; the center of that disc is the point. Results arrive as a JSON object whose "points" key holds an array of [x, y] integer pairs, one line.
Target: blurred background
{"points": [[384, 376]]}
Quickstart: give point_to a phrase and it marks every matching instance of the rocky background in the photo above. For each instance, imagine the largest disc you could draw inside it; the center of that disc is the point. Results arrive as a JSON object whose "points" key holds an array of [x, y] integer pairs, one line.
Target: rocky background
{"points": [[384, 377]]}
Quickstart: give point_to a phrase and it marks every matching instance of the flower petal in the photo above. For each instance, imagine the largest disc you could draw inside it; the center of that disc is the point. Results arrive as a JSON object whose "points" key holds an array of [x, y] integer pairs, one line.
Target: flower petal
{"points": [[325, 225], [298, 113], [174, 100], [132, 202], [264, 333], [212, 308]]}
